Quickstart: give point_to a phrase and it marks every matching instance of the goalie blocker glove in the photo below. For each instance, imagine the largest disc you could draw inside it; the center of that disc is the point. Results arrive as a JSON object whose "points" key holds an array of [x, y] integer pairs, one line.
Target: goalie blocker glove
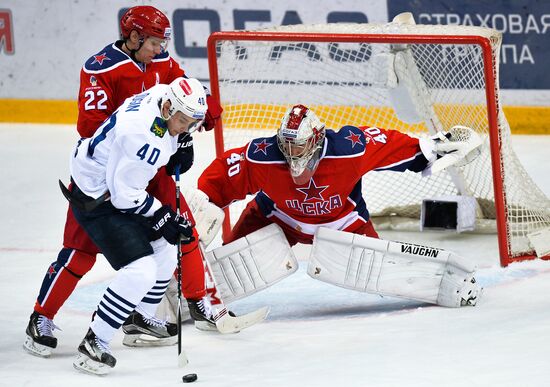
{"points": [[170, 225]]}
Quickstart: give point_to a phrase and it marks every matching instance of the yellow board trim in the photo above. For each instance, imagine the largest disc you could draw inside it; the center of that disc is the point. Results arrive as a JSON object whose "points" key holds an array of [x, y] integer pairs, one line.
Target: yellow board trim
{"points": [[38, 111], [522, 119]]}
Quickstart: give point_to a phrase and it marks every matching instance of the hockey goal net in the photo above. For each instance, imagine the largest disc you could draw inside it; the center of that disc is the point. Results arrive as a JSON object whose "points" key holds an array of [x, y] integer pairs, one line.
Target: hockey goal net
{"points": [[414, 78]]}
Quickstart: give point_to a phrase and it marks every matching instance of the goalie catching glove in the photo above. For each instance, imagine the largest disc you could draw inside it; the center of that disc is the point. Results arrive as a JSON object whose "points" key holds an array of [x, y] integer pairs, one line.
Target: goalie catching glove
{"points": [[171, 226], [457, 147]]}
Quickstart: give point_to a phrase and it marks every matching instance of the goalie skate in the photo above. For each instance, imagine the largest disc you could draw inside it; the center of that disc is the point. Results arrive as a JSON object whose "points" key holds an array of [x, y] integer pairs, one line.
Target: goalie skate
{"points": [[95, 356], [148, 332]]}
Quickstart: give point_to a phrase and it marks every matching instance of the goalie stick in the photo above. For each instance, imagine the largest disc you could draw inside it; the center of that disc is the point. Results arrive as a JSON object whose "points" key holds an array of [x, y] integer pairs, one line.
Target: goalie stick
{"points": [[226, 323], [209, 218]]}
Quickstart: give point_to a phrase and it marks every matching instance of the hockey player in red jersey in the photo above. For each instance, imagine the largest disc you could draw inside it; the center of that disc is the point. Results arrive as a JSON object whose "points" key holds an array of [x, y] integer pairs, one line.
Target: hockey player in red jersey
{"points": [[307, 180], [306, 177], [129, 66]]}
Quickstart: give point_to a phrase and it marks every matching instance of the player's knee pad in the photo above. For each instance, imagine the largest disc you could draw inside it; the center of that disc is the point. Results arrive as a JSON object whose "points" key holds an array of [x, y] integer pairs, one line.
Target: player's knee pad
{"points": [[190, 247], [166, 257], [141, 273], [76, 262]]}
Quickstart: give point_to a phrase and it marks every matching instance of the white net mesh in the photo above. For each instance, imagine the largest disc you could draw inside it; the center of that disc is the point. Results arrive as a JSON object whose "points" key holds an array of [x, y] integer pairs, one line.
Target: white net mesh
{"points": [[352, 83]]}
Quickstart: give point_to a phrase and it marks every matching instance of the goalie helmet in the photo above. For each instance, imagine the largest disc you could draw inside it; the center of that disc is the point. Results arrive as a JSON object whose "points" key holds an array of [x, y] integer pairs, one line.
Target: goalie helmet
{"points": [[147, 21], [300, 138], [186, 95]]}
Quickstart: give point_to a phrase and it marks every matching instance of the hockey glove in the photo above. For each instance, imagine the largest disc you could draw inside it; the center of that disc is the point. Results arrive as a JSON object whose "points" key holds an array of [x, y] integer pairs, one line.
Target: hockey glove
{"points": [[458, 147], [212, 114], [184, 155], [170, 225]]}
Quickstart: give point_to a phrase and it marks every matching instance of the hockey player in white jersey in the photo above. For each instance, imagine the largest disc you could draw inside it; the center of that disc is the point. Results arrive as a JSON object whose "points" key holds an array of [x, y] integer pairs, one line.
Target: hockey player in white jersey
{"points": [[110, 172]]}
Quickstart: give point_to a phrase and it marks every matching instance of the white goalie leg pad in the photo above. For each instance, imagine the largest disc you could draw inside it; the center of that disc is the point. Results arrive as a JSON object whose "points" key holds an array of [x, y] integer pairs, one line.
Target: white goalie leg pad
{"points": [[208, 216], [252, 263], [168, 306], [389, 268]]}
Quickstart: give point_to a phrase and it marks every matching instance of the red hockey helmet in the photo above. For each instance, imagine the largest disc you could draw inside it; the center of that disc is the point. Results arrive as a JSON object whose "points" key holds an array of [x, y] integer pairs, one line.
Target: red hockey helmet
{"points": [[147, 21]]}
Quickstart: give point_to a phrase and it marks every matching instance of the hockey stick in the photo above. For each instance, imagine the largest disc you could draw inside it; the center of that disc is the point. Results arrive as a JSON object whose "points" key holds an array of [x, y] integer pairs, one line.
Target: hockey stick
{"points": [[182, 358], [228, 323]]}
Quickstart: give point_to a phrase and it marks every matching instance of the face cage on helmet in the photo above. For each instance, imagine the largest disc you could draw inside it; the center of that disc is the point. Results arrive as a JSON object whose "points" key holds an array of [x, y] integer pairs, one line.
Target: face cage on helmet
{"points": [[305, 159]]}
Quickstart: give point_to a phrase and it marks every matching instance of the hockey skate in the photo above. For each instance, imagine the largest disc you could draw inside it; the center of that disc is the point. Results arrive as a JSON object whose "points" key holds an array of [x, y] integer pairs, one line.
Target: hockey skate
{"points": [[95, 355], [202, 313], [40, 339], [219, 319], [141, 331]]}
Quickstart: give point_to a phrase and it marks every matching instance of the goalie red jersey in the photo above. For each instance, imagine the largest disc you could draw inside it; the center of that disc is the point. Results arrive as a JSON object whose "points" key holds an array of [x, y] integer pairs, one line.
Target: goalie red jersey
{"points": [[331, 198], [111, 76]]}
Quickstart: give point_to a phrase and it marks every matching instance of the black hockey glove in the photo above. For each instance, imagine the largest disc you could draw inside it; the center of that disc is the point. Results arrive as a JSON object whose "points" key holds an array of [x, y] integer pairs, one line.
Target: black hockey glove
{"points": [[170, 225], [183, 156]]}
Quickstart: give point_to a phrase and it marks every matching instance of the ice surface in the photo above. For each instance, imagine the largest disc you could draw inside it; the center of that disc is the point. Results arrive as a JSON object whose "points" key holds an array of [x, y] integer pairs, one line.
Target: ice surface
{"points": [[316, 334]]}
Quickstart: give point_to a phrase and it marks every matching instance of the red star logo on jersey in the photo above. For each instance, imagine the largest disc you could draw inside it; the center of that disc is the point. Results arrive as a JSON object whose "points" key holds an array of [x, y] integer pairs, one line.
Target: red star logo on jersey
{"points": [[51, 271], [354, 138], [313, 191], [100, 58], [262, 146]]}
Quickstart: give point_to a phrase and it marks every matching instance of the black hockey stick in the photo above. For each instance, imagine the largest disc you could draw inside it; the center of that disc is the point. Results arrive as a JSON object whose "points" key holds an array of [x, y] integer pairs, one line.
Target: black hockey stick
{"points": [[182, 358], [87, 206]]}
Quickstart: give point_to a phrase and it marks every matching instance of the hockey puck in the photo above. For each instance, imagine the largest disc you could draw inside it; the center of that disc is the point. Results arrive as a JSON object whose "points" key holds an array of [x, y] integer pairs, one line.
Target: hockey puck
{"points": [[189, 378]]}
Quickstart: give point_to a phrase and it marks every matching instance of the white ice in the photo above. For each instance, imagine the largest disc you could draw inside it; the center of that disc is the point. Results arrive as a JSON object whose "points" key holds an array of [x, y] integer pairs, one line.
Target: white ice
{"points": [[316, 334]]}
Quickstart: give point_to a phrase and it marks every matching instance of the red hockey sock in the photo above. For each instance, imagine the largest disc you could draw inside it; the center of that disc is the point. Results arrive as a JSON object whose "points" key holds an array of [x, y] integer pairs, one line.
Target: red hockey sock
{"points": [[192, 269], [61, 279]]}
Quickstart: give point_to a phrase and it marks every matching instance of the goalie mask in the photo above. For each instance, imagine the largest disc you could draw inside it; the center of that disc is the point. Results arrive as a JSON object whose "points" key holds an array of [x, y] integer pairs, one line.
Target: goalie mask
{"points": [[186, 95], [300, 138]]}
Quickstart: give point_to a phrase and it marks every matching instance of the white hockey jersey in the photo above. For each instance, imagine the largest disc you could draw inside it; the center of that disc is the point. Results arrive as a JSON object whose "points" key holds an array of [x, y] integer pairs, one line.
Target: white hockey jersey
{"points": [[125, 153]]}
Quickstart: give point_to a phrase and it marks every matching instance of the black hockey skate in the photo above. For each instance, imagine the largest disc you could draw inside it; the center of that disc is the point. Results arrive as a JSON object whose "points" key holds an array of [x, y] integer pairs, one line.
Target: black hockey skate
{"points": [[202, 313], [95, 355], [209, 318], [141, 331], [40, 339]]}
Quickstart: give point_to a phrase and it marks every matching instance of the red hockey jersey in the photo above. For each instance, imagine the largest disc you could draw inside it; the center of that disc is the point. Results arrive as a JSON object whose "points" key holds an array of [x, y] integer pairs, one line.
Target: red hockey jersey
{"points": [[111, 76], [333, 196]]}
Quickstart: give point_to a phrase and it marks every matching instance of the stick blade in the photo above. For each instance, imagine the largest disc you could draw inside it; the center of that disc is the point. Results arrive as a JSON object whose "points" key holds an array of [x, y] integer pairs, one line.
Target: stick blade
{"points": [[182, 359], [233, 324]]}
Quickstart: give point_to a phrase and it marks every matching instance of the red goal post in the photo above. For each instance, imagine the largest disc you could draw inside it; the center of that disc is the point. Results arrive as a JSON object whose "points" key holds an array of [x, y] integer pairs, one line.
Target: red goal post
{"points": [[345, 73]]}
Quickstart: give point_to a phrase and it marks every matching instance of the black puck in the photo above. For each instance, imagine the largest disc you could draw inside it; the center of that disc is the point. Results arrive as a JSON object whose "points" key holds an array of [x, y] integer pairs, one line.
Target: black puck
{"points": [[189, 378]]}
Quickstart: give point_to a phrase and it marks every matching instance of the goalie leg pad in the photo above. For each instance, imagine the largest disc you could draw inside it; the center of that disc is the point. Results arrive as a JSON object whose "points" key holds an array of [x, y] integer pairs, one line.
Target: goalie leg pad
{"points": [[168, 306], [397, 269], [251, 263]]}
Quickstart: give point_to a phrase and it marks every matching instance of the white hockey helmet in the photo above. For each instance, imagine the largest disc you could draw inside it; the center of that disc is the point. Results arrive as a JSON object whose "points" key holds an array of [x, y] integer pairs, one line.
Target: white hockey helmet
{"points": [[186, 95], [300, 138]]}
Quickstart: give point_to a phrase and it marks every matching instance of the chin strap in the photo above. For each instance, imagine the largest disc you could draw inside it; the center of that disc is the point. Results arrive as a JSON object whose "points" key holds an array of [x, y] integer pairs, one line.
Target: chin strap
{"points": [[133, 52]]}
